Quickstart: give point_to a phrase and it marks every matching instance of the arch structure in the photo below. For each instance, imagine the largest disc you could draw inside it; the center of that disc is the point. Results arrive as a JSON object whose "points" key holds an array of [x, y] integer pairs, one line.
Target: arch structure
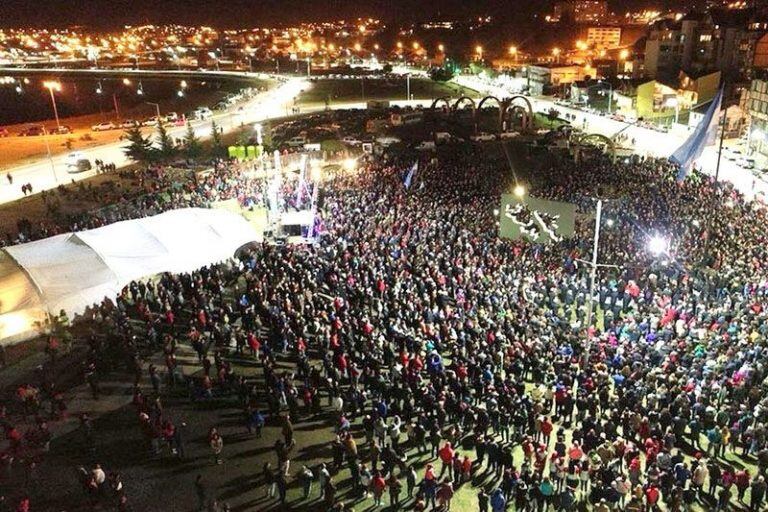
{"points": [[462, 100], [510, 107], [597, 140], [490, 98], [446, 101]]}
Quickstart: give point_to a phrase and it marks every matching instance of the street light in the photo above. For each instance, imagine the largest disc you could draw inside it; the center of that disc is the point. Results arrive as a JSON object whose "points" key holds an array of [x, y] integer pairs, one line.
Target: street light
{"points": [[52, 85], [623, 54], [513, 51], [441, 48]]}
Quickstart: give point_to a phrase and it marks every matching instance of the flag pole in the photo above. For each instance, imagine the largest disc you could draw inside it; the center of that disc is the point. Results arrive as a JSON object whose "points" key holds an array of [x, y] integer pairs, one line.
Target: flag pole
{"points": [[724, 111], [722, 135]]}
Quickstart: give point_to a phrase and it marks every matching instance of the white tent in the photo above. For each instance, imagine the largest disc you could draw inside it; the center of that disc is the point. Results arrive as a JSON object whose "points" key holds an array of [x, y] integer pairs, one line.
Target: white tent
{"points": [[75, 270]]}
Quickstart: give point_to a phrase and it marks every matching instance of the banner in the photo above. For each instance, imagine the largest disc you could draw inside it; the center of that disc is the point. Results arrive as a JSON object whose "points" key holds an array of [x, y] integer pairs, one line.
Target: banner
{"points": [[535, 220]]}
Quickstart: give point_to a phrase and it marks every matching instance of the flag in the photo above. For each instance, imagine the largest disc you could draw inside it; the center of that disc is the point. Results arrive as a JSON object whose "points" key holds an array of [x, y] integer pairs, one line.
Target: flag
{"points": [[411, 172], [704, 135]]}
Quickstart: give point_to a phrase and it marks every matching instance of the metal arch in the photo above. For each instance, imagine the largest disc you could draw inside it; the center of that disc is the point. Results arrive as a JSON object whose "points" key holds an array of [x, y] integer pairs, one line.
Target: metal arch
{"points": [[584, 139], [525, 117], [482, 102], [444, 99], [510, 103], [461, 99]]}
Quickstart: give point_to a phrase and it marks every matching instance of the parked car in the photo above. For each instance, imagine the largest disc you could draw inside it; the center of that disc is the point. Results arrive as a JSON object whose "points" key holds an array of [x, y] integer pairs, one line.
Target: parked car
{"points": [[103, 127], [483, 137], [32, 131], [129, 123], [60, 130], [746, 163], [351, 141], [152, 121], [171, 117], [203, 113]]}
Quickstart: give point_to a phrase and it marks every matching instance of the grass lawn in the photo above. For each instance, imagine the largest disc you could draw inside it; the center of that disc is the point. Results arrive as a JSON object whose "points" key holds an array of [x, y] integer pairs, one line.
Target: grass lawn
{"points": [[363, 90]]}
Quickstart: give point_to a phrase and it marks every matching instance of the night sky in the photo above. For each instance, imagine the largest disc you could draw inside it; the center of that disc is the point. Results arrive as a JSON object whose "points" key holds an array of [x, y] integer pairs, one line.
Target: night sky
{"points": [[235, 13]]}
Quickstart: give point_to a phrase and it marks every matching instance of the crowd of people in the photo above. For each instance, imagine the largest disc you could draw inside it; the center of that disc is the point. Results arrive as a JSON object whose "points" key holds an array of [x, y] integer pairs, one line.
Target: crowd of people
{"points": [[447, 360]]}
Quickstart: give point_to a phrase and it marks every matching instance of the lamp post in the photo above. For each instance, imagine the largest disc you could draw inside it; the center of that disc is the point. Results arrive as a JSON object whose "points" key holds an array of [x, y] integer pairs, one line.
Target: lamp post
{"points": [[50, 157], [157, 108], [592, 278], [556, 54], [610, 92], [408, 86], [52, 85]]}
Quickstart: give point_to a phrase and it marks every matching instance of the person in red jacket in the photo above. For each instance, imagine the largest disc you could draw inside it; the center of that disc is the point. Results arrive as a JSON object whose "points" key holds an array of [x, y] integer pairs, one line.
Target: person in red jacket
{"points": [[446, 457], [652, 496], [378, 484], [546, 429]]}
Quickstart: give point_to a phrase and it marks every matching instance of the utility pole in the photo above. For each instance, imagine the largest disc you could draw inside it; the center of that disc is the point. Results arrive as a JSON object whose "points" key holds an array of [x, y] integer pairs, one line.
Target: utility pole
{"points": [[408, 86]]}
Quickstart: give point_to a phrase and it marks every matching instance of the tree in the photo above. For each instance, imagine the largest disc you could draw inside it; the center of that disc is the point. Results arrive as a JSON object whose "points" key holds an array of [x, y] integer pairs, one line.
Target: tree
{"points": [[218, 147], [139, 148], [192, 146], [552, 116], [440, 74], [166, 149]]}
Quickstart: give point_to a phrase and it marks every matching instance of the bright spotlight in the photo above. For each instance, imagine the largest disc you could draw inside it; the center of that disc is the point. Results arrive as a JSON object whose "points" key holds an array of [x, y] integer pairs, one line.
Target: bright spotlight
{"points": [[519, 191], [350, 164], [658, 245]]}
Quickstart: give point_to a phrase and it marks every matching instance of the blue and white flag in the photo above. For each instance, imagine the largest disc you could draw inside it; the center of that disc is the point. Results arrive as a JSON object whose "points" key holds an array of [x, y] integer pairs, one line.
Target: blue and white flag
{"points": [[704, 135], [411, 172]]}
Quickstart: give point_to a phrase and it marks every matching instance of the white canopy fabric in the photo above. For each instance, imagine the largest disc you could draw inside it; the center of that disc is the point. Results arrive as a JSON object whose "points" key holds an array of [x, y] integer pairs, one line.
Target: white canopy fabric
{"points": [[76, 270]]}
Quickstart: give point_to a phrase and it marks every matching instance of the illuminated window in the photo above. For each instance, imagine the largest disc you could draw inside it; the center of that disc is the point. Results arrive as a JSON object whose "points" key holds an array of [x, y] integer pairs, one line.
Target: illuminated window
{"points": [[705, 37]]}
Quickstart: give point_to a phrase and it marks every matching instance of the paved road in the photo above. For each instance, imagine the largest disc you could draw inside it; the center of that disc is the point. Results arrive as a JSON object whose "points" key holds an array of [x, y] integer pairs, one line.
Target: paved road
{"points": [[47, 173]]}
